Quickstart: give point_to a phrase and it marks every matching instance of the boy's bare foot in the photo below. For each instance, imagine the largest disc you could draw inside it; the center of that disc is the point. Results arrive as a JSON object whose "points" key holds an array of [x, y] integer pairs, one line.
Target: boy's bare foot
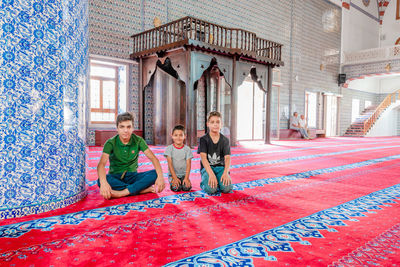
{"points": [[149, 189], [118, 194]]}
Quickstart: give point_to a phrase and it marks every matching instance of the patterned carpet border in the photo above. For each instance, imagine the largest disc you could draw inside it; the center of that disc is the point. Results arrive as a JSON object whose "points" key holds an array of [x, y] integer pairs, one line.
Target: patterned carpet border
{"points": [[46, 224], [273, 161], [279, 239], [374, 251], [164, 220]]}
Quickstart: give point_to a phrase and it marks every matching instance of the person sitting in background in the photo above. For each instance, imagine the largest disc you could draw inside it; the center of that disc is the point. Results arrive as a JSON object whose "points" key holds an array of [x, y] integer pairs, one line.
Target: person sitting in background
{"points": [[295, 125], [303, 125]]}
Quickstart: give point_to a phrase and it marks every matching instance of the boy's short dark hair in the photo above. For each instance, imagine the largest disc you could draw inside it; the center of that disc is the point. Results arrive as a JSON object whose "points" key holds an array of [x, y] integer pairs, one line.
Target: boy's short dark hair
{"points": [[179, 127], [214, 114], [126, 116]]}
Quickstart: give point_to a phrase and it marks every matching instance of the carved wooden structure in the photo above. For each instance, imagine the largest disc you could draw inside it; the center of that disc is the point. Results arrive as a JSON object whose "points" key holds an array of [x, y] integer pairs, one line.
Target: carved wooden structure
{"points": [[193, 47]]}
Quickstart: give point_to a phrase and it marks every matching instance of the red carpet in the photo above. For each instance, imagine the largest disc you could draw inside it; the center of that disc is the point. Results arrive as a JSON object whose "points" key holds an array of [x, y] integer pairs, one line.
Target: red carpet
{"points": [[325, 202]]}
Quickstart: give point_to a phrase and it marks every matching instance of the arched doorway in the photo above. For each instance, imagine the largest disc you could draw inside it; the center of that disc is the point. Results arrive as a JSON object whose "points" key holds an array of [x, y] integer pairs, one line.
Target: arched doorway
{"points": [[164, 104], [250, 111], [213, 93]]}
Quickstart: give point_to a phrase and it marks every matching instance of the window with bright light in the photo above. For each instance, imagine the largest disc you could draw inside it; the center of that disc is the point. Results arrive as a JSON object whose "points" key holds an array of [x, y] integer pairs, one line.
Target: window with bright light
{"points": [[367, 104], [107, 89], [355, 109], [311, 109]]}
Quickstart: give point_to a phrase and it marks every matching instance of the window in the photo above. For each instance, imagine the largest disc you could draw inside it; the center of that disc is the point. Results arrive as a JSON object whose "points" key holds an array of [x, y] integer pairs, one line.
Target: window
{"points": [[355, 109], [107, 91], [367, 104], [311, 109]]}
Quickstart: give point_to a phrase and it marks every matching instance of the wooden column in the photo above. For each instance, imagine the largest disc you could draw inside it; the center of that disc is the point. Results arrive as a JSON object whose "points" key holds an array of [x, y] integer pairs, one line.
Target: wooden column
{"points": [[233, 104], [191, 106], [141, 97], [268, 95]]}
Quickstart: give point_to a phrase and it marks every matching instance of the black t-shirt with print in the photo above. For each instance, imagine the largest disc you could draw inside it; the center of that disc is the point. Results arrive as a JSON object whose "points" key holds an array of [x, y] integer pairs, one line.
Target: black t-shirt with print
{"points": [[215, 152]]}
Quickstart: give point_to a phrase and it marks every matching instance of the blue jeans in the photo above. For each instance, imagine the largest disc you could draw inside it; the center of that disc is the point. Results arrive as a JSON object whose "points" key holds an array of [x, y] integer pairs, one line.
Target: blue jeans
{"points": [[218, 171], [181, 187], [302, 131], [133, 181]]}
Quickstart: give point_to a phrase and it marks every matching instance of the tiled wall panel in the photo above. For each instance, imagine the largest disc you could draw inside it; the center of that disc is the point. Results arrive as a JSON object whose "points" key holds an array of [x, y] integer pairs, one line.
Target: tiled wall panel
{"points": [[43, 66], [355, 71]]}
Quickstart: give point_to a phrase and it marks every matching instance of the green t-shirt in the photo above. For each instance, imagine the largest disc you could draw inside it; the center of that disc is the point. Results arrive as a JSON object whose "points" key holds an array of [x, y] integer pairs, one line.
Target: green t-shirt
{"points": [[124, 157]]}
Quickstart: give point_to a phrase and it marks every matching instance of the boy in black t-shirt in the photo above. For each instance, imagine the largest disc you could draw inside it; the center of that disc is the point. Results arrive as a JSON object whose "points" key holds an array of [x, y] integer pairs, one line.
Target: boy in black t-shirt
{"points": [[215, 156]]}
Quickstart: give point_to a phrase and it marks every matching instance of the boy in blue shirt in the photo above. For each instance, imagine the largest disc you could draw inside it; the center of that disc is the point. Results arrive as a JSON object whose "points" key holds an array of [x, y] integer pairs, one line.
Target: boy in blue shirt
{"points": [[215, 156]]}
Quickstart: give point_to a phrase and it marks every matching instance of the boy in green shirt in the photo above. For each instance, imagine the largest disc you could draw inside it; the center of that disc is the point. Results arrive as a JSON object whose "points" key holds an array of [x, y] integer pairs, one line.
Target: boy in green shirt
{"points": [[123, 151]]}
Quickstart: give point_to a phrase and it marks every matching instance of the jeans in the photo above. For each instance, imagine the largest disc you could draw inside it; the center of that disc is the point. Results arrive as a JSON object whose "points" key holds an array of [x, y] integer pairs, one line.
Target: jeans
{"points": [[133, 181], [181, 187], [302, 131], [218, 171]]}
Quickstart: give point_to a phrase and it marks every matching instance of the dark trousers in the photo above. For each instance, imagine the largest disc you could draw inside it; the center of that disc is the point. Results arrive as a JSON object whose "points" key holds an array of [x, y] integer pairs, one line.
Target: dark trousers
{"points": [[134, 181], [181, 187]]}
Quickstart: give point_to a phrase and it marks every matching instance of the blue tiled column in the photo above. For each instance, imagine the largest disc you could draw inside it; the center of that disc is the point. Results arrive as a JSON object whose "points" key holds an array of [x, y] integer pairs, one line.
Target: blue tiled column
{"points": [[43, 75]]}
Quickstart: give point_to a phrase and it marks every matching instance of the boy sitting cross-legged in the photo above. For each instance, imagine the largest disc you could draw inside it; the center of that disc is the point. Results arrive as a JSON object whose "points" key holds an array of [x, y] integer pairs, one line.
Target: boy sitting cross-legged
{"points": [[215, 156], [123, 152]]}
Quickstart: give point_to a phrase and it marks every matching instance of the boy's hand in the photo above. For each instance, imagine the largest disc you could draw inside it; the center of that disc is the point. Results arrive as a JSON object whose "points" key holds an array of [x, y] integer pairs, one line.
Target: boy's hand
{"points": [[159, 185], [187, 183], [225, 179], [175, 182], [105, 190], [212, 180]]}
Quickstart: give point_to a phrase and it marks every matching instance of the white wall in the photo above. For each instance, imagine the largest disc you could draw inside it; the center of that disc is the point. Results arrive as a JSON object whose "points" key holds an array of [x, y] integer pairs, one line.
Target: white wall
{"points": [[370, 85], [390, 26], [377, 85], [389, 85], [386, 125], [360, 31]]}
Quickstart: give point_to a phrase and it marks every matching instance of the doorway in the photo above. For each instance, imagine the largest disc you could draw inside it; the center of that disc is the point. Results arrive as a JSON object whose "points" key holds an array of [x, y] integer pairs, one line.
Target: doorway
{"points": [[213, 93], [164, 104], [311, 109], [250, 111], [330, 118], [355, 109]]}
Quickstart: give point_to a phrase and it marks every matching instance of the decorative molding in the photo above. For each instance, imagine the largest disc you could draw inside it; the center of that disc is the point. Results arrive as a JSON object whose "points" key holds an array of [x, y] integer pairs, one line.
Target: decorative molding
{"points": [[382, 5], [41, 207], [346, 4], [372, 55]]}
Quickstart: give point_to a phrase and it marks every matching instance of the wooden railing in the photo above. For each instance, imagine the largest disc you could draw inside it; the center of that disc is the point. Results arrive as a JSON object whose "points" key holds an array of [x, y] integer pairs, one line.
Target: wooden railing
{"points": [[389, 99], [236, 40]]}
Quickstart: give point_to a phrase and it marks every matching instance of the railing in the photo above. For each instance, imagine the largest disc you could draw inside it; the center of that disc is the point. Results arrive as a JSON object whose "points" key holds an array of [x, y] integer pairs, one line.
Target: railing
{"points": [[372, 55], [212, 34], [389, 99]]}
